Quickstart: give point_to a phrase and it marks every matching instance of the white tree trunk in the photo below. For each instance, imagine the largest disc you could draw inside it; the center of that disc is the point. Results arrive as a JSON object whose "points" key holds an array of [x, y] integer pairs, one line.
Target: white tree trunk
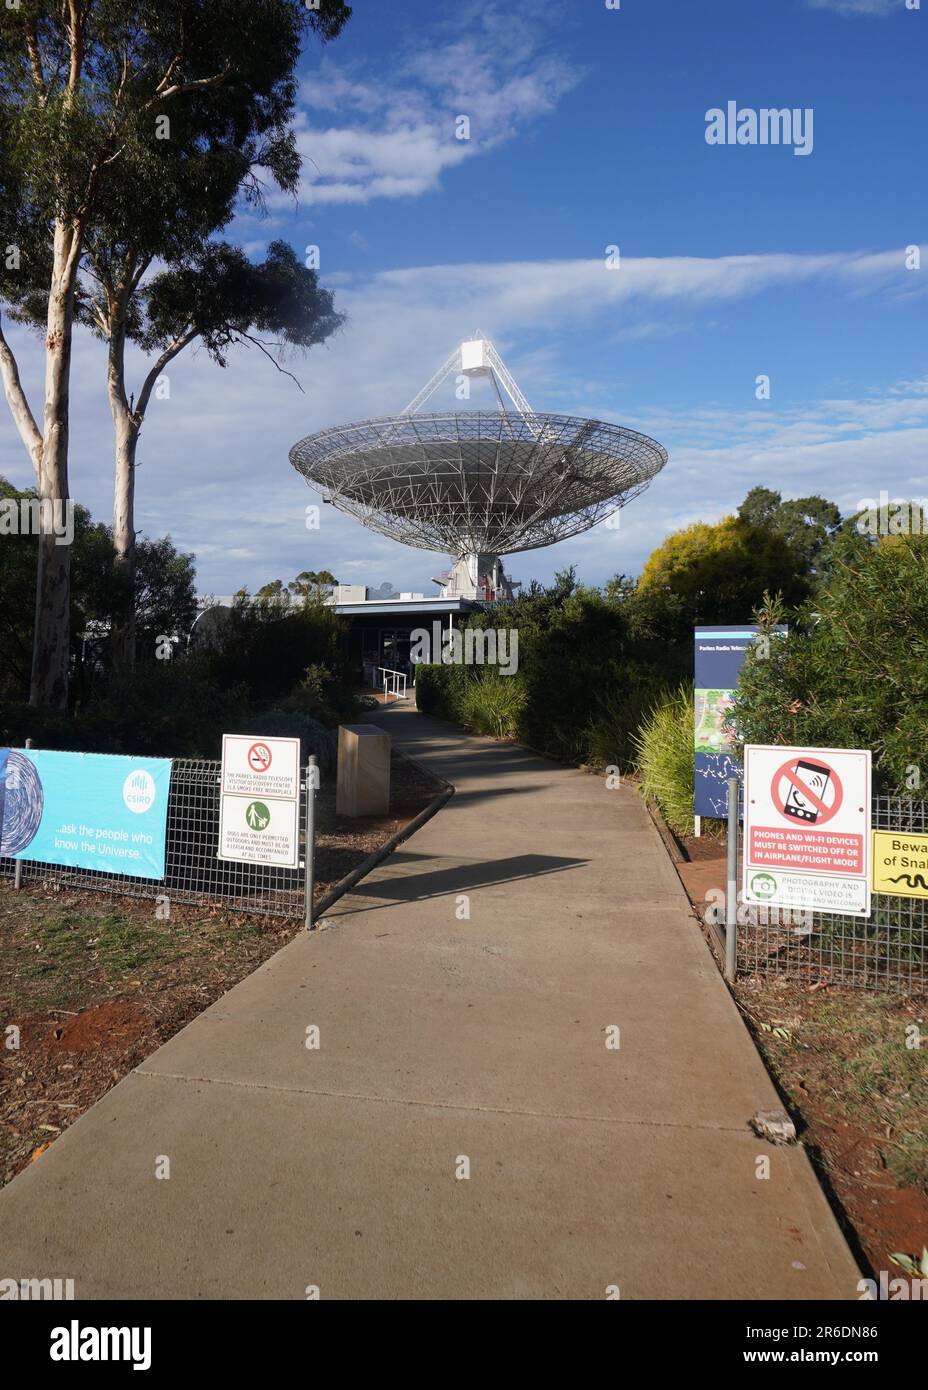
{"points": [[123, 634], [23, 418], [127, 422], [51, 642]]}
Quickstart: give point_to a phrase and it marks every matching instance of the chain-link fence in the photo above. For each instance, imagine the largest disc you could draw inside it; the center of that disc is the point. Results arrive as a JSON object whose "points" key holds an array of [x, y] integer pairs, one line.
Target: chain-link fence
{"points": [[888, 950], [193, 874]]}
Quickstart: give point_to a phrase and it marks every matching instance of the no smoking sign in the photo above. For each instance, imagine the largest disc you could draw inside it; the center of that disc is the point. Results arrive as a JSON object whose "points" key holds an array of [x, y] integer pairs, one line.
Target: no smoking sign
{"points": [[260, 757], [262, 767]]}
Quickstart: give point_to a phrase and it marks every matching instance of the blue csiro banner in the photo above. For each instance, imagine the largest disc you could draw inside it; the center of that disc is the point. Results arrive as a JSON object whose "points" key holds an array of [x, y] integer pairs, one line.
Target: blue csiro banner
{"points": [[720, 653], [85, 810]]}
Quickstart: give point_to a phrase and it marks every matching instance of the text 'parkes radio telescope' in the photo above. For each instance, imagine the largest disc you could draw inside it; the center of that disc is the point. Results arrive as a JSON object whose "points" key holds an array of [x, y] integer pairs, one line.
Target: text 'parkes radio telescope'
{"points": [[478, 484]]}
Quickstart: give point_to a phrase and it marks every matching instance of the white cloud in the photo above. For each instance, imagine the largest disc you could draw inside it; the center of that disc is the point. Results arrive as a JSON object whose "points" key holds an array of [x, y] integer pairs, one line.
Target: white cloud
{"points": [[550, 296], [356, 165], [214, 469], [493, 66], [877, 7]]}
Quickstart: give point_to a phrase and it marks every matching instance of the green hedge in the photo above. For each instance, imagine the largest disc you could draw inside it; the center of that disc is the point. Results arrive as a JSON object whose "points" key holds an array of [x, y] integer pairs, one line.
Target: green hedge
{"points": [[629, 693], [584, 684], [170, 711], [438, 690]]}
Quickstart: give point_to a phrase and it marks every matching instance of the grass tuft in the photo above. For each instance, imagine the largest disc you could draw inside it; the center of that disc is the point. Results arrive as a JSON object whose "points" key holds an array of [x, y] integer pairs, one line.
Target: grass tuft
{"points": [[665, 758]]}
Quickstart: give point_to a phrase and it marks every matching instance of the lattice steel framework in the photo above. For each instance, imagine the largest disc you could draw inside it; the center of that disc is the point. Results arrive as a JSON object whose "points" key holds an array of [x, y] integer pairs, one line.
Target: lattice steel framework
{"points": [[491, 482]]}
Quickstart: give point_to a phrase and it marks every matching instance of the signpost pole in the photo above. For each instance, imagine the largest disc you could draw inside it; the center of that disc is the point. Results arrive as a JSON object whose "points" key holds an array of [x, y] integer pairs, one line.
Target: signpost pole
{"points": [[731, 900], [309, 850], [18, 868]]}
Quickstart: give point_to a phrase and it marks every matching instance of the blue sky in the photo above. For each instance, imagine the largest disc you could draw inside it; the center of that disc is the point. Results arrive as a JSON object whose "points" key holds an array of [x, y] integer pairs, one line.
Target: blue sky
{"points": [[587, 130]]}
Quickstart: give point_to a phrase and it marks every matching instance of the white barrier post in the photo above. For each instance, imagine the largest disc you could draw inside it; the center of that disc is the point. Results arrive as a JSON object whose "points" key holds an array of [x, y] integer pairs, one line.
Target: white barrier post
{"points": [[309, 849], [731, 899]]}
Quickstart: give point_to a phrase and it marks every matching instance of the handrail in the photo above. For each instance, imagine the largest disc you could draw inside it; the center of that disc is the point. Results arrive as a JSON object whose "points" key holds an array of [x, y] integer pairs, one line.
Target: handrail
{"points": [[391, 683]]}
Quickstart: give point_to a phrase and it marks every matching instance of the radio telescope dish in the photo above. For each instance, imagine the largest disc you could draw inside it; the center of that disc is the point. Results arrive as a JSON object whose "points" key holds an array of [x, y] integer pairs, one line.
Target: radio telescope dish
{"points": [[479, 483]]}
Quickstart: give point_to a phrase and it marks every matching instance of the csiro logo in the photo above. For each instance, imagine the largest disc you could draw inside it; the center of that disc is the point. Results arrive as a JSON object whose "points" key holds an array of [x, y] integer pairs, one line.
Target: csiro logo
{"points": [[138, 791]]}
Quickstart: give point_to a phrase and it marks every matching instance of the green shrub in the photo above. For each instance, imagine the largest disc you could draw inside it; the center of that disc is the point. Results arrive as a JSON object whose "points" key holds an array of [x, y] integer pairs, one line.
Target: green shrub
{"points": [[428, 687], [590, 667], [570, 653], [325, 696], [622, 706], [439, 689], [169, 709], [853, 672], [491, 704], [276, 651], [666, 757]]}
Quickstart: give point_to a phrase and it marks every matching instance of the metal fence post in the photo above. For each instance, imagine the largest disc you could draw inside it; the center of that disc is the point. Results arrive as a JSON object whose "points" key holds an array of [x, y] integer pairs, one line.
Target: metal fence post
{"points": [[309, 851], [731, 899], [18, 867]]}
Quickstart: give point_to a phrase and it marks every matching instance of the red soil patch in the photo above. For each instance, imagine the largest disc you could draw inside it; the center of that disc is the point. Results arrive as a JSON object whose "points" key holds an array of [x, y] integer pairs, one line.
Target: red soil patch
{"points": [[700, 847], [887, 1219], [709, 874], [114, 1025]]}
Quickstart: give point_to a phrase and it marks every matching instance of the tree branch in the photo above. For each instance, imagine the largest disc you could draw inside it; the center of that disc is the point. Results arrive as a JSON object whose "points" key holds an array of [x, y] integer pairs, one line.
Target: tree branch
{"points": [[136, 280], [271, 358], [170, 352], [201, 84], [76, 19], [35, 61], [101, 318], [23, 417], [117, 299]]}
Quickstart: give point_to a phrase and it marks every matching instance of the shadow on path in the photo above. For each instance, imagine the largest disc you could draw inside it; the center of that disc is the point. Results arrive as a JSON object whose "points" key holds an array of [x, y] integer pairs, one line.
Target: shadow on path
{"points": [[406, 886]]}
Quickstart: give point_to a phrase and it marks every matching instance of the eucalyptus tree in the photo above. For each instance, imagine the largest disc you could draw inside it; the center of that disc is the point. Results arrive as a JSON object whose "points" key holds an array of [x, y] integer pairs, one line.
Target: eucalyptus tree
{"points": [[311, 585], [215, 296], [109, 111]]}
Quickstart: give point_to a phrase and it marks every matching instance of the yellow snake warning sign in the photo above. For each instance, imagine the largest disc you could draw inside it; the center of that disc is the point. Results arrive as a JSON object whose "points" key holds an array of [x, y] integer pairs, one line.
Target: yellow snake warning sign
{"points": [[900, 863]]}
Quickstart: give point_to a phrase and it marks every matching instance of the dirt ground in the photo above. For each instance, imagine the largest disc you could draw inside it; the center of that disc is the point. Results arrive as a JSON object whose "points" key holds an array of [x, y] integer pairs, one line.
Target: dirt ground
{"points": [[92, 983], [857, 1092]]}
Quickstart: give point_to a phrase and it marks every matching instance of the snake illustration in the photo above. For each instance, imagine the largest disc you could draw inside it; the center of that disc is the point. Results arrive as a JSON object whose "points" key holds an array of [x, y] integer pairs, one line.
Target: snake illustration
{"points": [[23, 802], [911, 881]]}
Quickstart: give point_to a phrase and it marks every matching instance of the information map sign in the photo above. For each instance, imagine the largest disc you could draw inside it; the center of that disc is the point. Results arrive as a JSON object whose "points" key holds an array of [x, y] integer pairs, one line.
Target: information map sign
{"points": [[807, 835], [718, 657], [259, 803]]}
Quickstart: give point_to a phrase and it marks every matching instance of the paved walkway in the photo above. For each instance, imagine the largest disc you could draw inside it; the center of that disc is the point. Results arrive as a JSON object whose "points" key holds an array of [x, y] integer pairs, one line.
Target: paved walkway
{"points": [[447, 1038]]}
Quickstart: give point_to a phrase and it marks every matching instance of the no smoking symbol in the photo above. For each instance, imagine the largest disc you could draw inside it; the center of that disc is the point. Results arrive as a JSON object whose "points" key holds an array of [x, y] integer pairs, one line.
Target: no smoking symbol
{"points": [[259, 757], [807, 792]]}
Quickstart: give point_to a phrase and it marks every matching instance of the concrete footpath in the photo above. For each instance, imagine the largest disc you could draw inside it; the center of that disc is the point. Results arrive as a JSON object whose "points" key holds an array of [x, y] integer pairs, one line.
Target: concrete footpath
{"points": [[464, 996]]}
